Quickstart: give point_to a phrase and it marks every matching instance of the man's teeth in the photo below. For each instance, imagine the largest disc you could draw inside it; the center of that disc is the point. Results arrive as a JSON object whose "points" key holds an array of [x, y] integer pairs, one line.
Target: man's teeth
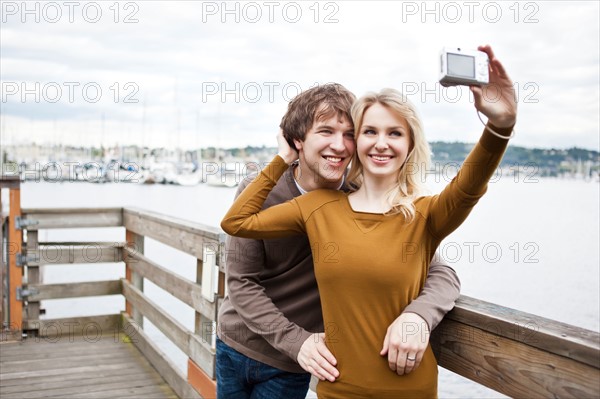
{"points": [[333, 159]]}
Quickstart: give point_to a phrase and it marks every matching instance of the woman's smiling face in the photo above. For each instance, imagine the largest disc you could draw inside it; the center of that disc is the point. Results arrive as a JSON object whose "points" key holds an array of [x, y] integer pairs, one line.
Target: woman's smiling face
{"points": [[383, 142]]}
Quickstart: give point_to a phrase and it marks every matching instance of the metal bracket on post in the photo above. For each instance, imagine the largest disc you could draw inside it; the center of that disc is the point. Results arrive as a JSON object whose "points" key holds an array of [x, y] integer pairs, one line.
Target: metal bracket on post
{"points": [[209, 265], [24, 260], [221, 256], [22, 223], [23, 293]]}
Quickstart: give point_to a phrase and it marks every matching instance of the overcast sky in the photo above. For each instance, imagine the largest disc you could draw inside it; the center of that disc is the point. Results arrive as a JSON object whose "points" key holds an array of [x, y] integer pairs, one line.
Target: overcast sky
{"points": [[198, 74]]}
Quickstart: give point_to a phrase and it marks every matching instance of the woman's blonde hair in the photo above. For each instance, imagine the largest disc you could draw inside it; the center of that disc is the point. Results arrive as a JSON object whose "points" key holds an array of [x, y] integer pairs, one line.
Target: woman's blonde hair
{"points": [[410, 182]]}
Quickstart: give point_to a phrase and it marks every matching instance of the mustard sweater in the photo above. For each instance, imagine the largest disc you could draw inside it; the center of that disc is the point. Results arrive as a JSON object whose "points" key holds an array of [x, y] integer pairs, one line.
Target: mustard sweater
{"points": [[368, 266]]}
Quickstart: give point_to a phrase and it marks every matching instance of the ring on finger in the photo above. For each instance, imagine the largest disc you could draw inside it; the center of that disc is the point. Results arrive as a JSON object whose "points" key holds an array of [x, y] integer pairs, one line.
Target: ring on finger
{"points": [[411, 359]]}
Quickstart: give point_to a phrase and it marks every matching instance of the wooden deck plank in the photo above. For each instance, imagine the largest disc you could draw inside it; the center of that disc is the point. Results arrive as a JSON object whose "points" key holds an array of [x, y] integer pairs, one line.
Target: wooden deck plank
{"points": [[83, 381], [75, 367], [149, 396], [50, 379], [65, 363], [49, 344], [136, 391], [15, 359], [54, 372], [55, 353], [65, 340], [96, 388]]}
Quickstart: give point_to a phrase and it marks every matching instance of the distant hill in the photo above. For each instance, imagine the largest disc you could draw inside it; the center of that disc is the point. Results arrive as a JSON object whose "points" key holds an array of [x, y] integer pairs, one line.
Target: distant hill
{"points": [[549, 162]]}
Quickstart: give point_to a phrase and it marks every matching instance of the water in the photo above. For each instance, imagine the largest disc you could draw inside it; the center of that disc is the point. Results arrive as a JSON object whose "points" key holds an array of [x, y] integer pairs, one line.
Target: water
{"points": [[529, 245]]}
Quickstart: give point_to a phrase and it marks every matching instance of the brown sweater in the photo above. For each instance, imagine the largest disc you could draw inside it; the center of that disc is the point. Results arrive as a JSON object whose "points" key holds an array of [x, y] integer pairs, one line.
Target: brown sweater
{"points": [[369, 266], [273, 302]]}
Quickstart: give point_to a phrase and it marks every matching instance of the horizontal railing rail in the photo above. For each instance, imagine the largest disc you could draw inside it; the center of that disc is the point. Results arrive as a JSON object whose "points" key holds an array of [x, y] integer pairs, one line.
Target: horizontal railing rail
{"points": [[181, 288], [517, 353], [64, 218], [188, 237]]}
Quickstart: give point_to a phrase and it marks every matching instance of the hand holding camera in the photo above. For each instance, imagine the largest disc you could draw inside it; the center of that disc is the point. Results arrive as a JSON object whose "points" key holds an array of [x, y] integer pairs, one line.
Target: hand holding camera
{"points": [[491, 86]]}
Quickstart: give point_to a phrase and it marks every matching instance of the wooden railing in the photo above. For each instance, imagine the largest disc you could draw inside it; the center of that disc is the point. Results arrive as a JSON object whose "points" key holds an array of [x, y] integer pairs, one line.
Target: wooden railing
{"points": [[197, 240], [203, 243], [518, 354]]}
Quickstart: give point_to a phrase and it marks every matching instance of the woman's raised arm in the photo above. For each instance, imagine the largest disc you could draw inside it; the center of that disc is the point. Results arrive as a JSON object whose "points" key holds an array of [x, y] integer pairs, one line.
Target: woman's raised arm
{"points": [[497, 101], [245, 217]]}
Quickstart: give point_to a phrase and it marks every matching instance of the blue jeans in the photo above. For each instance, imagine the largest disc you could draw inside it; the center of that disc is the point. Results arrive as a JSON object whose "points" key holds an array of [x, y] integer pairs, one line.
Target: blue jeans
{"points": [[239, 377]]}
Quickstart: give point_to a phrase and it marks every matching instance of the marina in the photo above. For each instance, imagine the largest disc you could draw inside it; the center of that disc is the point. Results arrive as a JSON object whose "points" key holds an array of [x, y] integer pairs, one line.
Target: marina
{"points": [[227, 167]]}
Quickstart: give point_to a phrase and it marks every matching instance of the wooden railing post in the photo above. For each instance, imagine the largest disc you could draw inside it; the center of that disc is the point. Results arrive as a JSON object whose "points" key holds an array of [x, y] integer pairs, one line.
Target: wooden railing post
{"points": [[3, 265], [14, 247], [202, 382], [136, 243]]}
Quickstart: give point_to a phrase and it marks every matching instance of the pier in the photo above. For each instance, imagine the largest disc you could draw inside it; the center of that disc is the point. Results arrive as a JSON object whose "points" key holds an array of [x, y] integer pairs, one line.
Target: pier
{"points": [[515, 353]]}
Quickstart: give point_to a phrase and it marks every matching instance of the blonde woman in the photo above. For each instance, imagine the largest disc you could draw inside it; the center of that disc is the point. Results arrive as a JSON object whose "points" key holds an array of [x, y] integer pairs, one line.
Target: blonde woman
{"points": [[371, 248]]}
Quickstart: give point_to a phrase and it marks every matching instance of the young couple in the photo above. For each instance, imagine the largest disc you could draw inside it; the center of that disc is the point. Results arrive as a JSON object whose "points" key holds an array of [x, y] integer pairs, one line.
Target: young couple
{"points": [[372, 236]]}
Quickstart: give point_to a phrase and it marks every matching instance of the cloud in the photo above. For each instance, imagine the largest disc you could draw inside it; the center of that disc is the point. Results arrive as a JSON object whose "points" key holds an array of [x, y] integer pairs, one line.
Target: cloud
{"points": [[173, 55]]}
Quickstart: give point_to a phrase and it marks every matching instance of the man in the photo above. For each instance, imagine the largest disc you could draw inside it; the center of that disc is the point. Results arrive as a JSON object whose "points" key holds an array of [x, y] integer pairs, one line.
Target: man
{"points": [[271, 332]]}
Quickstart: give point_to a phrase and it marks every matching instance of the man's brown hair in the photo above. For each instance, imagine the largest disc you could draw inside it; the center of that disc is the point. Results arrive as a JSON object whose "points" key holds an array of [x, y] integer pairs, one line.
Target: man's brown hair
{"points": [[305, 109]]}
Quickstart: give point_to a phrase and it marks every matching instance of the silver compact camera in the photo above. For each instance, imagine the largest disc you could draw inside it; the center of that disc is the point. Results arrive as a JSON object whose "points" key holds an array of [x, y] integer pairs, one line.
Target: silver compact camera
{"points": [[463, 67]]}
